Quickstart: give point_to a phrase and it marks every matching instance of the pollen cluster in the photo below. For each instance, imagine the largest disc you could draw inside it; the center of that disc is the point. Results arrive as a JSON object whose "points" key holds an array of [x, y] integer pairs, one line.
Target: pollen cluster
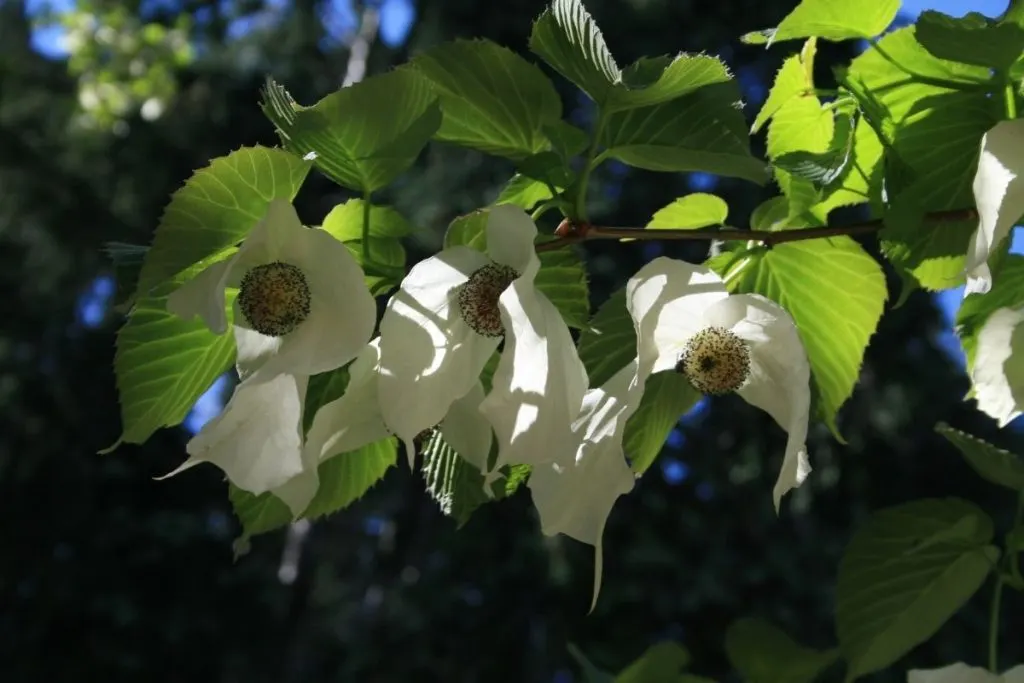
{"points": [[478, 298], [274, 298], [715, 361]]}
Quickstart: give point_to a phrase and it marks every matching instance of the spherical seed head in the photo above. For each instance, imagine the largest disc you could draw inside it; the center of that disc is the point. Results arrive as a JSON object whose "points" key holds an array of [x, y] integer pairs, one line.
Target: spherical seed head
{"points": [[478, 298], [274, 298], [715, 361]]}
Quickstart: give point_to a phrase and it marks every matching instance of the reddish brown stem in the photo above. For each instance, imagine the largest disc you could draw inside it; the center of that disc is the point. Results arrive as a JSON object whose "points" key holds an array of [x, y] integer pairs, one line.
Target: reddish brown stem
{"points": [[568, 234]]}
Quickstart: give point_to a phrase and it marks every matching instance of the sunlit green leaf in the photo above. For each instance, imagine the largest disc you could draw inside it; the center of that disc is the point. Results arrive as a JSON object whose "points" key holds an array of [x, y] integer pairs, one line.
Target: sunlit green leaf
{"points": [[387, 226], [492, 99], [971, 39], [697, 210], [661, 663], [524, 192], [835, 292], [906, 571], [362, 136], [832, 20], [704, 131], [217, 207], [667, 397]]}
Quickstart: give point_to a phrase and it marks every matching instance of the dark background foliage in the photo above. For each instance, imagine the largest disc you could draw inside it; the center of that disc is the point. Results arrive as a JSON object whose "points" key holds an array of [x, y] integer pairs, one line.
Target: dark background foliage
{"points": [[110, 576]]}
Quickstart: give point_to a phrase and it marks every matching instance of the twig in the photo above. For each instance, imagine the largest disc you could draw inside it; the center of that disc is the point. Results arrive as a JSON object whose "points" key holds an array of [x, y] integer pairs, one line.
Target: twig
{"points": [[571, 233]]}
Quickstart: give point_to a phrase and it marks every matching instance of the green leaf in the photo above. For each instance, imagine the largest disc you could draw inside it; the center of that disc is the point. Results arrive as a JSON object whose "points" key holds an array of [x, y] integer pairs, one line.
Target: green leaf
{"points": [[566, 139], [667, 397], [771, 214], [567, 38], [1007, 292], [562, 276], [217, 207], [492, 99], [524, 192], [344, 479], [907, 571], [455, 485], [835, 292], [991, 463], [971, 39], [764, 653], [364, 135], [935, 132], [703, 131], [697, 210], [164, 364], [591, 674], [387, 255], [825, 167], [831, 20], [547, 167], [322, 389], [662, 663], [795, 78], [608, 342]]}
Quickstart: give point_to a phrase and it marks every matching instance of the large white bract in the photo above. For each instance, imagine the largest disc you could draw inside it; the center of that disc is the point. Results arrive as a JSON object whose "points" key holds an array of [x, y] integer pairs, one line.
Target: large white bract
{"points": [[998, 372], [302, 308], [686, 321], [961, 673], [999, 196], [447, 320]]}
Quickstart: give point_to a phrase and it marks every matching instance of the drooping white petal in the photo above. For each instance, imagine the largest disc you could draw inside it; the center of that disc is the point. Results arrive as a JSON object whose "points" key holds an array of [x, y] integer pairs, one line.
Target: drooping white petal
{"points": [[1014, 675], [576, 499], [257, 439], [954, 673], [353, 420], [298, 492], [510, 239], [466, 430], [780, 375], [203, 296], [428, 355], [252, 349], [999, 196], [538, 386], [667, 299], [998, 372], [342, 312]]}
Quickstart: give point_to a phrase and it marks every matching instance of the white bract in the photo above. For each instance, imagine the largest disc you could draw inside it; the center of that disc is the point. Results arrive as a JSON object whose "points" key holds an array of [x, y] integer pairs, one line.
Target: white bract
{"points": [[354, 420], [302, 305], [576, 498], [687, 322], [961, 673], [257, 441], [998, 372], [447, 320], [999, 196]]}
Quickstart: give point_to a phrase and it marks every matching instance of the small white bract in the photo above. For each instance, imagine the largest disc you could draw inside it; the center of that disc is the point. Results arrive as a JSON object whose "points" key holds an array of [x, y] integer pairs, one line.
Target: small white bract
{"points": [[687, 322], [998, 372], [257, 441], [448, 318], [354, 420], [576, 498], [999, 196], [302, 305], [961, 673]]}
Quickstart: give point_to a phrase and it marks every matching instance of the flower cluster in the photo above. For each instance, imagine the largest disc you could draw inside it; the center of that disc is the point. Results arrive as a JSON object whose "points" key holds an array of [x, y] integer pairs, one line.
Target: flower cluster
{"points": [[302, 308]]}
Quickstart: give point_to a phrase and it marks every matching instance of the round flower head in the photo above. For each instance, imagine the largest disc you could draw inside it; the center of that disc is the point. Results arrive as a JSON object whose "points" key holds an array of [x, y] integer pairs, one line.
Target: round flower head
{"points": [[448, 318], [354, 420], [302, 305], [687, 322], [999, 196], [961, 673], [998, 372], [576, 498], [257, 441]]}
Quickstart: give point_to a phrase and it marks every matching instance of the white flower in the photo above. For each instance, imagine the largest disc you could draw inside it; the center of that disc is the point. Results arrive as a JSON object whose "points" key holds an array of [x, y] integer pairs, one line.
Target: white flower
{"points": [[687, 322], [999, 196], [576, 498], [302, 305], [998, 373], [257, 441], [961, 673], [354, 420], [448, 318]]}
